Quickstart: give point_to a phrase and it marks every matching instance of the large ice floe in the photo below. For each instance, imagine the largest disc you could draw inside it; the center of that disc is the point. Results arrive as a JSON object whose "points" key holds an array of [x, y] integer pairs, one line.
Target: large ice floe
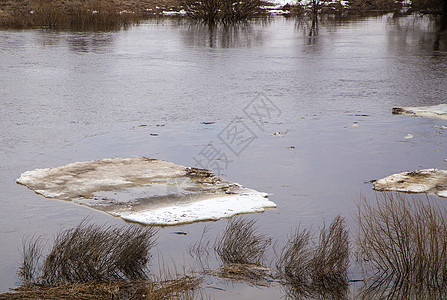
{"points": [[435, 111], [145, 190], [430, 181]]}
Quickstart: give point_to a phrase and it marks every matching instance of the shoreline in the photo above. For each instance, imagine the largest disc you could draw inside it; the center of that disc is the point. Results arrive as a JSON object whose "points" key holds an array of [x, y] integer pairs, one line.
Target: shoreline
{"points": [[103, 14]]}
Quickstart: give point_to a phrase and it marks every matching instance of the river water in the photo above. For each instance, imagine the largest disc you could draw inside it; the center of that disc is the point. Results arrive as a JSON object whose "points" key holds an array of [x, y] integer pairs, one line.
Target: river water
{"points": [[147, 90]]}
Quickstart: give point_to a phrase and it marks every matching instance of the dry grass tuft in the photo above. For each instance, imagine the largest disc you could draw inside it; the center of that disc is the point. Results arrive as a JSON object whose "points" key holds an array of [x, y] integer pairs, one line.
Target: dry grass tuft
{"points": [[90, 253], [254, 274], [404, 242], [241, 243], [308, 268], [180, 288]]}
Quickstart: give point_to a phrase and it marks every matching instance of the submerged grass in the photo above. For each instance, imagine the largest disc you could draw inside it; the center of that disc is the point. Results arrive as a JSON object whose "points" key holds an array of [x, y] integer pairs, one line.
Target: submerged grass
{"points": [[403, 241]]}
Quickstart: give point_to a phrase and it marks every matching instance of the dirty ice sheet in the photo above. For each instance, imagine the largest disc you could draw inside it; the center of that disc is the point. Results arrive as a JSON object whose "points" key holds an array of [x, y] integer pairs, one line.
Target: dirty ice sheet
{"points": [[430, 181], [146, 190], [436, 111]]}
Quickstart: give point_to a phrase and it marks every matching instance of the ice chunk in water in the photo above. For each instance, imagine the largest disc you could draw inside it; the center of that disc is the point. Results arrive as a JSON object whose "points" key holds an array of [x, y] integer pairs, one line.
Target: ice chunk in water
{"points": [[146, 190]]}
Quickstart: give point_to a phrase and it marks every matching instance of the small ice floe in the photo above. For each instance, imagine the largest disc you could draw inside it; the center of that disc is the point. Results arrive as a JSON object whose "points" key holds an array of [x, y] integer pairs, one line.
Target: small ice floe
{"points": [[146, 190], [408, 136], [435, 111], [430, 181]]}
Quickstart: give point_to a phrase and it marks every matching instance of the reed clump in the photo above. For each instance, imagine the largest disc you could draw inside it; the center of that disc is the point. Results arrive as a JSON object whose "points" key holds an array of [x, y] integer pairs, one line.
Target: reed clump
{"points": [[241, 243], [307, 267], [89, 253], [403, 242]]}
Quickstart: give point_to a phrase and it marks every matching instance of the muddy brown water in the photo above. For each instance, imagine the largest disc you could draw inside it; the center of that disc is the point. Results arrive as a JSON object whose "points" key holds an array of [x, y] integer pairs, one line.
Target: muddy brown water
{"points": [[146, 91]]}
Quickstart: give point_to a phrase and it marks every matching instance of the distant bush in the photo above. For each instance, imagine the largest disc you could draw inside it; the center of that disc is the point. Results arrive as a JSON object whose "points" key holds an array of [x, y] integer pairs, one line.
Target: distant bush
{"points": [[429, 6], [222, 11], [371, 5]]}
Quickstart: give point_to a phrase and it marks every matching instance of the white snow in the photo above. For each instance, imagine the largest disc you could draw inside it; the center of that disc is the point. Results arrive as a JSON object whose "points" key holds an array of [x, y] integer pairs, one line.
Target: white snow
{"points": [[174, 13], [436, 111], [431, 181], [146, 190], [210, 209]]}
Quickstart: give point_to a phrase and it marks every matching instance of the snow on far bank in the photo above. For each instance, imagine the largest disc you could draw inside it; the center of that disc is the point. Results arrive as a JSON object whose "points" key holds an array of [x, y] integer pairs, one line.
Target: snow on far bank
{"points": [[146, 190]]}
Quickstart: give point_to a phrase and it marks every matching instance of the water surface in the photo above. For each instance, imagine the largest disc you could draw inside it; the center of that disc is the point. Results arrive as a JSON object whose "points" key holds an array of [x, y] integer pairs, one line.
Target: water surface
{"points": [[145, 91]]}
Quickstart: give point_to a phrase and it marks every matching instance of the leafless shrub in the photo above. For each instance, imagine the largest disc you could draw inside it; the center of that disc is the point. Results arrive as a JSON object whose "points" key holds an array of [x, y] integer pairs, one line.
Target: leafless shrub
{"points": [[316, 268], [90, 253], [241, 243], [403, 241], [368, 5], [221, 11]]}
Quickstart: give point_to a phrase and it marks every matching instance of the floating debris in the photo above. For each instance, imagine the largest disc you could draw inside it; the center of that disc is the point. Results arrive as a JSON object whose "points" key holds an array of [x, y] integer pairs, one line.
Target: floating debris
{"points": [[435, 111], [355, 124], [430, 181], [279, 133], [145, 190], [408, 136]]}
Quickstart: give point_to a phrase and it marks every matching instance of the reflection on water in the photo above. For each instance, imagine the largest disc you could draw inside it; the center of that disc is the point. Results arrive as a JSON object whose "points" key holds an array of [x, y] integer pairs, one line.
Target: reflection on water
{"points": [[335, 292], [404, 288], [225, 36]]}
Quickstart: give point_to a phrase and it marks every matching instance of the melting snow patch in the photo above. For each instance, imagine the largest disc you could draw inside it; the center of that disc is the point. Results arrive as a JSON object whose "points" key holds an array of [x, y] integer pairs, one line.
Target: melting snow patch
{"points": [[430, 181], [435, 111], [146, 190]]}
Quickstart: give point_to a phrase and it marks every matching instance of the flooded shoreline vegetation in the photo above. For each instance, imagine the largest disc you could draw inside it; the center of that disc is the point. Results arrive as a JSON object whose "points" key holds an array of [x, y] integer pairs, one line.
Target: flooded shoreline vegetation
{"points": [[222, 11], [402, 241], [113, 15], [401, 246]]}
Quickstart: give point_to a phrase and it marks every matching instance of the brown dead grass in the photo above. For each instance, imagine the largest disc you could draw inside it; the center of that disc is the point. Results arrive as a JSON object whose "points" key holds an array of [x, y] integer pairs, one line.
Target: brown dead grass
{"points": [[180, 288], [79, 14]]}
